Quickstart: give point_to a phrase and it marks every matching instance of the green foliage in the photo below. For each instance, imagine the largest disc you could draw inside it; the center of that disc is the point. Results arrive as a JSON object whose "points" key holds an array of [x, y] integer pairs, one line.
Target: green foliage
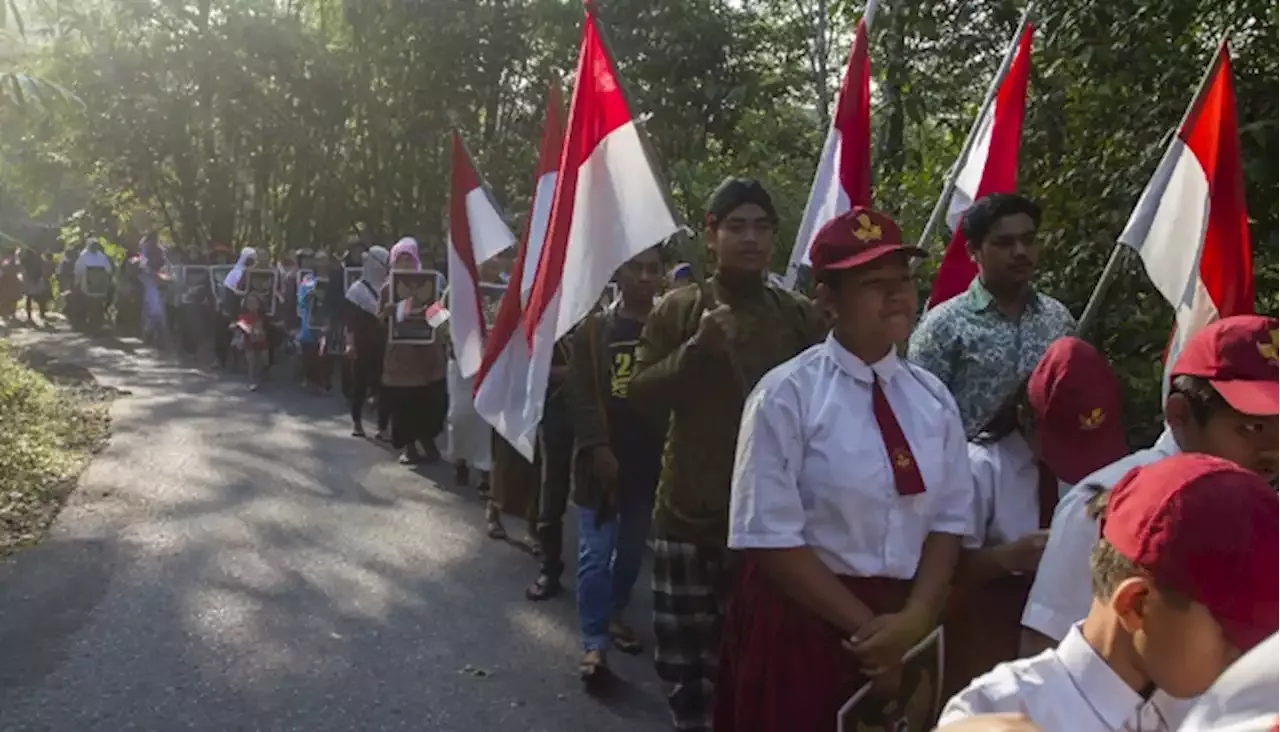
{"points": [[48, 432], [288, 123]]}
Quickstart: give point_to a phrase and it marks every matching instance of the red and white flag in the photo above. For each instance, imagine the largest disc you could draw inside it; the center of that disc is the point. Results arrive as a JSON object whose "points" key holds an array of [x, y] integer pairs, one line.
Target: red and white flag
{"points": [[502, 383], [843, 178], [609, 206], [990, 167], [1190, 226], [476, 234]]}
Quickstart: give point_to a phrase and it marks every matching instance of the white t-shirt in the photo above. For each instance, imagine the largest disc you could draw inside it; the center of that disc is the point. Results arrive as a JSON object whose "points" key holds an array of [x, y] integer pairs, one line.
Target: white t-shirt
{"points": [[811, 468], [1062, 592], [1066, 689], [1245, 697]]}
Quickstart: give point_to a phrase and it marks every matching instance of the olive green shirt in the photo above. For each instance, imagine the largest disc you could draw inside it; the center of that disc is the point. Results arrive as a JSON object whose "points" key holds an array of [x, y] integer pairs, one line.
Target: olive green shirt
{"points": [[704, 393]]}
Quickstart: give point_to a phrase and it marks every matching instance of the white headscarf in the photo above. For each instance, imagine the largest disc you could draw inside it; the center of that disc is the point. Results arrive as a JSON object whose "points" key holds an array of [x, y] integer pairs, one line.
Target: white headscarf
{"points": [[377, 263], [233, 277]]}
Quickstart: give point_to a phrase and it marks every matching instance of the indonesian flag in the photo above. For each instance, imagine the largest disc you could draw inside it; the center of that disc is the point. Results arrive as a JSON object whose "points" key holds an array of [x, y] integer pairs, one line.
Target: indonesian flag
{"points": [[476, 233], [843, 178], [609, 206], [502, 383], [437, 315], [990, 167], [1190, 227]]}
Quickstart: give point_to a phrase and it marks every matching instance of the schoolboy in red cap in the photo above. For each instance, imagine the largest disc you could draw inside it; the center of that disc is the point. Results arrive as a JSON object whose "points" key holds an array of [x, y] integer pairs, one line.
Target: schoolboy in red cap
{"points": [[848, 501], [1185, 580], [1222, 401], [1061, 425]]}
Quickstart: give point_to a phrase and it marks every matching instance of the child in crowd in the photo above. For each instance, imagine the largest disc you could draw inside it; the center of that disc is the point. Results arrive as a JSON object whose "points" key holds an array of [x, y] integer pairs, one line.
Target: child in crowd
{"points": [[250, 338], [1184, 581], [315, 364], [1060, 426], [1222, 401]]}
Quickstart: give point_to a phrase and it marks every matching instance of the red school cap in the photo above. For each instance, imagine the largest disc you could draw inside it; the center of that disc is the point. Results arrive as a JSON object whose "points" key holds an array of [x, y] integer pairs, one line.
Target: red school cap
{"points": [[1237, 356], [1208, 529], [1077, 403], [856, 237]]}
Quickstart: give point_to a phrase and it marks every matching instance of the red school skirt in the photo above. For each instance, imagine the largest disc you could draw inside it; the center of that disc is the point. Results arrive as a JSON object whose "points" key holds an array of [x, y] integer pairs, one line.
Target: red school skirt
{"points": [[783, 668]]}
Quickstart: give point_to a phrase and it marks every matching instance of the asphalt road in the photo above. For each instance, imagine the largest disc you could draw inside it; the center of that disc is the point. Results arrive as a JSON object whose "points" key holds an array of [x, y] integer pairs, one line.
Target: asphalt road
{"points": [[236, 561]]}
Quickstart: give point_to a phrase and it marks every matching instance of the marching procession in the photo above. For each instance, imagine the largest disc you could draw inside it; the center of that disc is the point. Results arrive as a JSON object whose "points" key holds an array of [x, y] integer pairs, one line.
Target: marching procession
{"points": [[853, 515]]}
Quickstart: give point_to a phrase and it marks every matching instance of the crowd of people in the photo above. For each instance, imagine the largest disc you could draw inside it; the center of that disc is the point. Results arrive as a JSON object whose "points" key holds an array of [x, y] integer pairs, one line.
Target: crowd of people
{"points": [[825, 482]]}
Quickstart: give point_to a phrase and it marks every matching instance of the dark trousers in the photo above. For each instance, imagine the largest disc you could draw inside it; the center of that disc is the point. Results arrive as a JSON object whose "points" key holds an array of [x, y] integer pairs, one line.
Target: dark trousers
{"points": [[366, 379], [555, 448], [222, 339], [316, 368], [417, 413]]}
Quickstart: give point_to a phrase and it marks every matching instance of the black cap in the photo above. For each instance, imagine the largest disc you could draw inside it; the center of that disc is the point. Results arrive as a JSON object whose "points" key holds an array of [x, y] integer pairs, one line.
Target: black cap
{"points": [[734, 192]]}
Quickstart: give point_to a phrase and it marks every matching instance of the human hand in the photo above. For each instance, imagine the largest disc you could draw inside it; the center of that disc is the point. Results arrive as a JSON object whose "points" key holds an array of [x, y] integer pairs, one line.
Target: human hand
{"points": [[885, 639], [1022, 556], [992, 723], [716, 329], [604, 466]]}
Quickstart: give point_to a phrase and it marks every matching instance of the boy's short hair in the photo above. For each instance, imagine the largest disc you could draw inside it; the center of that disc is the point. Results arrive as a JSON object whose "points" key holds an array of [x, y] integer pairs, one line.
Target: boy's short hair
{"points": [[986, 211], [1205, 401], [1109, 568]]}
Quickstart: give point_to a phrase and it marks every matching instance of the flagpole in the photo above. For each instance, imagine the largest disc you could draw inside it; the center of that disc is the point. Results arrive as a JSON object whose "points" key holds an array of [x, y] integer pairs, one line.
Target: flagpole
{"points": [[1109, 272], [950, 186]]}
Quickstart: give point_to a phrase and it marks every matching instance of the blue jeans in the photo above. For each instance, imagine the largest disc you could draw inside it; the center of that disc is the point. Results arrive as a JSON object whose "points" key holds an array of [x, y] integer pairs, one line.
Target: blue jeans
{"points": [[609, 557]]}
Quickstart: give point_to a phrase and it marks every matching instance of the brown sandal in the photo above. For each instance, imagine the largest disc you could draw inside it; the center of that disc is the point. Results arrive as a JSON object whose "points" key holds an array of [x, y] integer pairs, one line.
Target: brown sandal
{"points": [[624, 638]]}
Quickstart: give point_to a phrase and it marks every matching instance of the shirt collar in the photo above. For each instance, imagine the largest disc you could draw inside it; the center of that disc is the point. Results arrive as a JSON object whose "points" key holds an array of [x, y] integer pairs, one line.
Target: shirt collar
{"points": [[861, 371], [1114, 701], [979, 298]]}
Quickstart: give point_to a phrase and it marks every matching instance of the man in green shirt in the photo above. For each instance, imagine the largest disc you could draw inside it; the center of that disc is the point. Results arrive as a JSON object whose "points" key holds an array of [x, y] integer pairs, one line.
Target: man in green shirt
{"points": [[701, 351]]}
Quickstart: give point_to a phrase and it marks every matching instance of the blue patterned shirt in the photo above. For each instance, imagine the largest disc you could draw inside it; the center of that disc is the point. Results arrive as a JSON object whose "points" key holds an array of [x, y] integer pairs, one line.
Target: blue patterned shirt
{"points": [[981, 354]]}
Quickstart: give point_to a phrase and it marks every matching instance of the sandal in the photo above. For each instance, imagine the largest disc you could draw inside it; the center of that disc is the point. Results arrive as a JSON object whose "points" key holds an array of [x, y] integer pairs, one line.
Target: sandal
{"points": [[357, 431], [594, 671], [543, 588], [624, 638], [410, 456], [494, 521]]}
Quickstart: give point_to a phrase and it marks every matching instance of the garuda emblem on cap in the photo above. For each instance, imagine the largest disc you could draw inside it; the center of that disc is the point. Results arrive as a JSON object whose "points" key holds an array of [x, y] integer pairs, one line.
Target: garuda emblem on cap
{"points": [[1092, 420], [867, 230], [1268, 350]]}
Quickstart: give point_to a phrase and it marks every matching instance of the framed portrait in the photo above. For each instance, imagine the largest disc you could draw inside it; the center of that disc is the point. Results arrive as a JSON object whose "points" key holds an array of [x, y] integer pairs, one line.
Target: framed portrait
{"points": [[491, 294], [97, 282], [195, 282], [319, 314], [350, 275], [262, 283], [334, 342], [914, 707], [422, 287]]}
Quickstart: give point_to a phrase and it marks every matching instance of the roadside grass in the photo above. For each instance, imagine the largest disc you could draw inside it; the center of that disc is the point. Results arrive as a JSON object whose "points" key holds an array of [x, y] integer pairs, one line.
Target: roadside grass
{"points": [[48, 432]]}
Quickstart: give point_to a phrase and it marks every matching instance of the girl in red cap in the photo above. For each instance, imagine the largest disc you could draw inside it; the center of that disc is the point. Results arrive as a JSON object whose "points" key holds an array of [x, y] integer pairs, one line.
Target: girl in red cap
{"points": [[849, 499]]}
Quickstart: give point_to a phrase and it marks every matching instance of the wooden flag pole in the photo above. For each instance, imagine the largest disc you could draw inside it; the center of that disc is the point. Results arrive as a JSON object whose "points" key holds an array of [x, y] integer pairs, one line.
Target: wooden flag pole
{"points": [[1109, 272], [940, 208]]}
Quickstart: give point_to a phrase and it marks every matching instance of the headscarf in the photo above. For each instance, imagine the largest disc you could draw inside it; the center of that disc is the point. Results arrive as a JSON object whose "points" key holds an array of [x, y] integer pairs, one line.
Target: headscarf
{"points": [[407, 245], [233, 277], [377, 262]]}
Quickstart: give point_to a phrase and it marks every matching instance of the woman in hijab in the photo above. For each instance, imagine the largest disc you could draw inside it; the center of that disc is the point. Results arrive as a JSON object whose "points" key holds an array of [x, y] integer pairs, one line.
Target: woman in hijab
{"points": [[366, 337], [228, 304], [413, 377]]}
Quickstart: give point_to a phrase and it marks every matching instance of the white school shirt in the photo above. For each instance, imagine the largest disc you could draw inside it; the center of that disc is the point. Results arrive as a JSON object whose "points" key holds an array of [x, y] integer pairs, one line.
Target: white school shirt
{"points": [[1006, 492], [1244, 697], [1062, 591], [1066, 689], [811, 468]]}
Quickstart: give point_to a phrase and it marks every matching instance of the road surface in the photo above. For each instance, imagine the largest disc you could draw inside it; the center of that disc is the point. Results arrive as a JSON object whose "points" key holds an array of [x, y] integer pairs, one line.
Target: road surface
{"points": [[236, 561]]}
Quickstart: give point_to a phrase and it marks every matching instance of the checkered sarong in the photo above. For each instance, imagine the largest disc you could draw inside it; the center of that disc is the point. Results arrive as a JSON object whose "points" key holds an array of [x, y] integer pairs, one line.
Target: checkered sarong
{"points": [[690, 595]]}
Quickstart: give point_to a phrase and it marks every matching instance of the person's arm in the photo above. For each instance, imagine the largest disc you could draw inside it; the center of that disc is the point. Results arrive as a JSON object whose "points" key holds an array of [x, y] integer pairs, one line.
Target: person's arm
{"points": [[952, 521], [766, 513], [930, 346], [667, 364], [978, 563], [581, 389], [1062, 592]]}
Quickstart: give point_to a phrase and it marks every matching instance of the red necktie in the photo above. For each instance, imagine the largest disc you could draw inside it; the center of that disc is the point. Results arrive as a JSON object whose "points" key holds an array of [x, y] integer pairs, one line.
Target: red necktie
{"points": [[906, 474], [1047, 490]]}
